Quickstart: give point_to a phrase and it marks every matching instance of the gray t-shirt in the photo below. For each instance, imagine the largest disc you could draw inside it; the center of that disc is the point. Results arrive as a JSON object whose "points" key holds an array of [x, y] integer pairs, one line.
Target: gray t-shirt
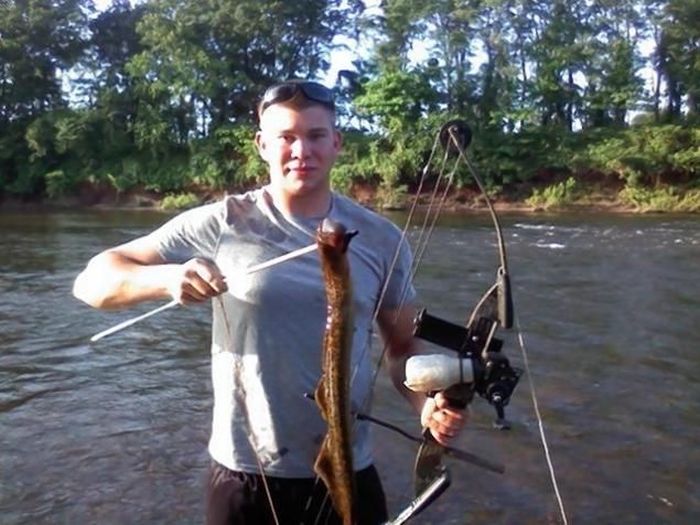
{"points": [[268, 328]]}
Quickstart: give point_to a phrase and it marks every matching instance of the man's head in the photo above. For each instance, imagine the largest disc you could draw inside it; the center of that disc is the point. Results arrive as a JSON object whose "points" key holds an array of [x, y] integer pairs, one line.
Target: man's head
{"points": [[299, 142]]}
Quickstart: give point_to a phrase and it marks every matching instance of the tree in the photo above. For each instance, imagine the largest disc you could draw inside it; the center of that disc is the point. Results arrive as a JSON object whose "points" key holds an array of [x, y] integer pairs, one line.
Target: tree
{"points": [[559, 53], [679, 55], [613, 86], [208, 60], [39, 41]]}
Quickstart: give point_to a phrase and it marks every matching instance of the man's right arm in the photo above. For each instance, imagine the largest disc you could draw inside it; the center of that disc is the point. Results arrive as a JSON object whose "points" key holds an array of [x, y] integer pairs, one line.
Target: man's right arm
{"points": [[136, 272]]}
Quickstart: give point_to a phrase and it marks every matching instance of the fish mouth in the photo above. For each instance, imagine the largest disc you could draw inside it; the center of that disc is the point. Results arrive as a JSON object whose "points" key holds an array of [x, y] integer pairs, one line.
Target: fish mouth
{"points": [[335, 235]]}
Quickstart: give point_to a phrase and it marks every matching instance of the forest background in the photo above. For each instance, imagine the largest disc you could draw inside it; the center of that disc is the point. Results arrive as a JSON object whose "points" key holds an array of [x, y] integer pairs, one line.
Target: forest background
{"points": [[579, 102]]}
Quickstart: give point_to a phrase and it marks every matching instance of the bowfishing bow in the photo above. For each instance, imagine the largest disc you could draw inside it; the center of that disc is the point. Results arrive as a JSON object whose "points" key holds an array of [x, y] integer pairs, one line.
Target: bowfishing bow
{"points": [[475, 343], [479, 365]]}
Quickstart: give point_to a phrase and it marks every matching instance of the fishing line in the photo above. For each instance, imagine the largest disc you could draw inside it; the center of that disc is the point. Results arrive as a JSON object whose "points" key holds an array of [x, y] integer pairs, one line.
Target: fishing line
{"points": [[521, 341], [420, 243], [540, 422], [435, 216], [241, 393]]}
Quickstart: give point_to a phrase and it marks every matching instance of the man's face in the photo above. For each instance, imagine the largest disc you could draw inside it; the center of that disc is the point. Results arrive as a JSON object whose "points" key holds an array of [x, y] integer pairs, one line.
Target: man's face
{"points": [[300, 147]]}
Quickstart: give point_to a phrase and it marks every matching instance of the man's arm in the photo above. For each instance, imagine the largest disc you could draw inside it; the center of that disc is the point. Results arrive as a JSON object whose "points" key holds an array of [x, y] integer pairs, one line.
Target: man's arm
{"points": [[396, 327], [135, 272]]}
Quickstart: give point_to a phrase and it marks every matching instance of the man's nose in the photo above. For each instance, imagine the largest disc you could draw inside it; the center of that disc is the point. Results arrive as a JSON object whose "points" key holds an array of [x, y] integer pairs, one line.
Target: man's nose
{"points": [[301, 148]]}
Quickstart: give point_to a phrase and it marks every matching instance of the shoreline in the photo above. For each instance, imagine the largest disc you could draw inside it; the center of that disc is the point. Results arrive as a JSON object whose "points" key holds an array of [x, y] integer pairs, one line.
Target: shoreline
{"points": [[451, 206], [460, 201]]}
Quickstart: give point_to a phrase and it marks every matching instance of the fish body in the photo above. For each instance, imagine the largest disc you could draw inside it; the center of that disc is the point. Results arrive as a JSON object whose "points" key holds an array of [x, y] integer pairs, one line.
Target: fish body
{"points": [[334, 463]]}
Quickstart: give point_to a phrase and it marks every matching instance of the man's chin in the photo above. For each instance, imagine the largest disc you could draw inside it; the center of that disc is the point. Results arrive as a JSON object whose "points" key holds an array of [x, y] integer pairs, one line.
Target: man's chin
{"points": [[300, 179], [306, 186], [302, 174]]}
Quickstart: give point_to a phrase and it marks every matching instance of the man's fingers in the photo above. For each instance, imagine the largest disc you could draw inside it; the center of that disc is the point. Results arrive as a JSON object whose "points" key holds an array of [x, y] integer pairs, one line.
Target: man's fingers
{"points": [[444, 421], [211, 275], [200, 280], [443, 403], [191, 294], [444, 438]]}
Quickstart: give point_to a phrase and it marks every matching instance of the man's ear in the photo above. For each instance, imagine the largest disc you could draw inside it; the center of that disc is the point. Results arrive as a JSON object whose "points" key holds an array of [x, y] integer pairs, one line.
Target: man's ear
{"points": [[260, 144], [337, 140]]}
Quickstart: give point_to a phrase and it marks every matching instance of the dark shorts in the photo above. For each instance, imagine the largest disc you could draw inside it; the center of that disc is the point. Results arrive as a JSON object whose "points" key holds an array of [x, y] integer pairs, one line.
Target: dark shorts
{"points": [[239, 498]]}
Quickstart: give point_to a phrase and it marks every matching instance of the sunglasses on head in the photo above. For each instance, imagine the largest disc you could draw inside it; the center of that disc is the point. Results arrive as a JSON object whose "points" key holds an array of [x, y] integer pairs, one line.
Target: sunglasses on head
{"points": [[285, 91]]}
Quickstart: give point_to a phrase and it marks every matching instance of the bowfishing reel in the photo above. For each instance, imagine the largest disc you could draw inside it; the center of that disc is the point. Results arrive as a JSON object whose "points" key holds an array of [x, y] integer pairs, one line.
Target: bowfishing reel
{"points": [[479, 364]]}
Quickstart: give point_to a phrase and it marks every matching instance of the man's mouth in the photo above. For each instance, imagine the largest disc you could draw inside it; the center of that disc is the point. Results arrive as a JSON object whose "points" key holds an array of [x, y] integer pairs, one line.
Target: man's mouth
{"points": [[300, 169]]}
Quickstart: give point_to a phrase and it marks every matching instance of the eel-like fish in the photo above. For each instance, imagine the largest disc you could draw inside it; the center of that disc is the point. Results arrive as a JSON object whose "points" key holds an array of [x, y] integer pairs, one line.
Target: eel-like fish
{"points": [[334, 462]]}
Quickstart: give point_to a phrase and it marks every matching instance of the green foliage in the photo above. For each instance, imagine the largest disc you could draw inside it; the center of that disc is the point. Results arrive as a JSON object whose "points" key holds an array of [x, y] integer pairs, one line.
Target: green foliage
{"points": [[29, 181], [557, 195], [227, 157], [37, 38], [355, 162], [392, 197], [57, 183], [397, 99], [678, 54], [516, 157], [665, 199], [179, 201], [162, 93], [642, 155]]}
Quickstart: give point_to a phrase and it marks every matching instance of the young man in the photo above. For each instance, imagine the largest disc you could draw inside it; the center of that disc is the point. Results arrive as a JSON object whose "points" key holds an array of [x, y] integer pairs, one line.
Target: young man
{"points": [[268, 327]]}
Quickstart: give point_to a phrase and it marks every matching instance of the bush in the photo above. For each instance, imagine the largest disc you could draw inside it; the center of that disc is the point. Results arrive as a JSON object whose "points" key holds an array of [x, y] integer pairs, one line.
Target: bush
{"points": [[661, 199], [356, 161], [226, 157], [390, 197], [555, 196], [642, 155], [179, 201], [57, 183]]}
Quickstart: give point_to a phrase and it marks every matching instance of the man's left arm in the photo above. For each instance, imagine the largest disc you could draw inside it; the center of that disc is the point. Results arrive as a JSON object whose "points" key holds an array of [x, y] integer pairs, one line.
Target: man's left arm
{"points": [[396, 326]]}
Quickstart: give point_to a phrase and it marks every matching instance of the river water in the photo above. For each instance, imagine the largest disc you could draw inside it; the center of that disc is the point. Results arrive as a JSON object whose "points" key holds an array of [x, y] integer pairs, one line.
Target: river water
{"points": [[609, 308]]}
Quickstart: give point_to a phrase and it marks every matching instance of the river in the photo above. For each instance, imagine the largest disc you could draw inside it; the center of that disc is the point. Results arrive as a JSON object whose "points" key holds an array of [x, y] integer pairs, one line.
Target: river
{"points": [[609, 310]]}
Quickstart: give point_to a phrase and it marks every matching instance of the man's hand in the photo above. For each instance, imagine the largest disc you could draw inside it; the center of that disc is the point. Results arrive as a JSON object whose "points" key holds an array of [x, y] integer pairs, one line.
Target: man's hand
{"points": [[196, 281], [444, 421]]}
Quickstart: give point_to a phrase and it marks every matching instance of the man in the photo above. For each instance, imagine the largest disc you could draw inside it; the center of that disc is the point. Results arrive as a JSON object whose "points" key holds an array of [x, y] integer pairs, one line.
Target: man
{"points": [[268, 326]]}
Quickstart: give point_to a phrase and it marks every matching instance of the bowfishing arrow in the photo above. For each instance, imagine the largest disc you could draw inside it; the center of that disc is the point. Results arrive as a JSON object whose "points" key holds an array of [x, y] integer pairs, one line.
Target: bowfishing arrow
{"points": [[172, 304]]}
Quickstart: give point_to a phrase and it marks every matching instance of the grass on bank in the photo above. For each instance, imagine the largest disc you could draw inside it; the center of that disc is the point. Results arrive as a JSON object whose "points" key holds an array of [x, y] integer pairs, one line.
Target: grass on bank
{"points": [[637, 198], [557, 195], [179, 201], [661, 200]]}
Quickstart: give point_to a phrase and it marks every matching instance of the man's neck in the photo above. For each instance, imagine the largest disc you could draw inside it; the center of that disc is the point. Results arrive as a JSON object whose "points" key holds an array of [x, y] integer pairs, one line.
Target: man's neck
{"points": [[315, 204]]}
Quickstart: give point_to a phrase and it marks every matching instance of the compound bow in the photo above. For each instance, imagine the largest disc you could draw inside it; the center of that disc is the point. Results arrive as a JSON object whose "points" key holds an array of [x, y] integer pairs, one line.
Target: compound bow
{"points": [[480, 366]]}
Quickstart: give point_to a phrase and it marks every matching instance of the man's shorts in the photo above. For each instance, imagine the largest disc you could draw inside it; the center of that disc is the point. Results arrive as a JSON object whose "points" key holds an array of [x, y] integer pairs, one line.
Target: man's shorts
{"points": [[240, 498]]}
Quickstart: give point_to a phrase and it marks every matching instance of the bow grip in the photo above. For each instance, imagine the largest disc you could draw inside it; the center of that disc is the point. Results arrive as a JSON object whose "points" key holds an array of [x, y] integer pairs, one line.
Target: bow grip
{"points": [[451, 375]]}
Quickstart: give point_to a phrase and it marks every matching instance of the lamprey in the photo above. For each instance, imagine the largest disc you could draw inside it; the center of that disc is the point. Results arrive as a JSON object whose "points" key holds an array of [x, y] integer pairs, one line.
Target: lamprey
{"points": [[334, 462]]}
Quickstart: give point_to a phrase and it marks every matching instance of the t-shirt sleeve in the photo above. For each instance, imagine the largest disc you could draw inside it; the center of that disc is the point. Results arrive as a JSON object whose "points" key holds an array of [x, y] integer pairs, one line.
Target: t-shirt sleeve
{"points": [[400, 290], [194, 233]]}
